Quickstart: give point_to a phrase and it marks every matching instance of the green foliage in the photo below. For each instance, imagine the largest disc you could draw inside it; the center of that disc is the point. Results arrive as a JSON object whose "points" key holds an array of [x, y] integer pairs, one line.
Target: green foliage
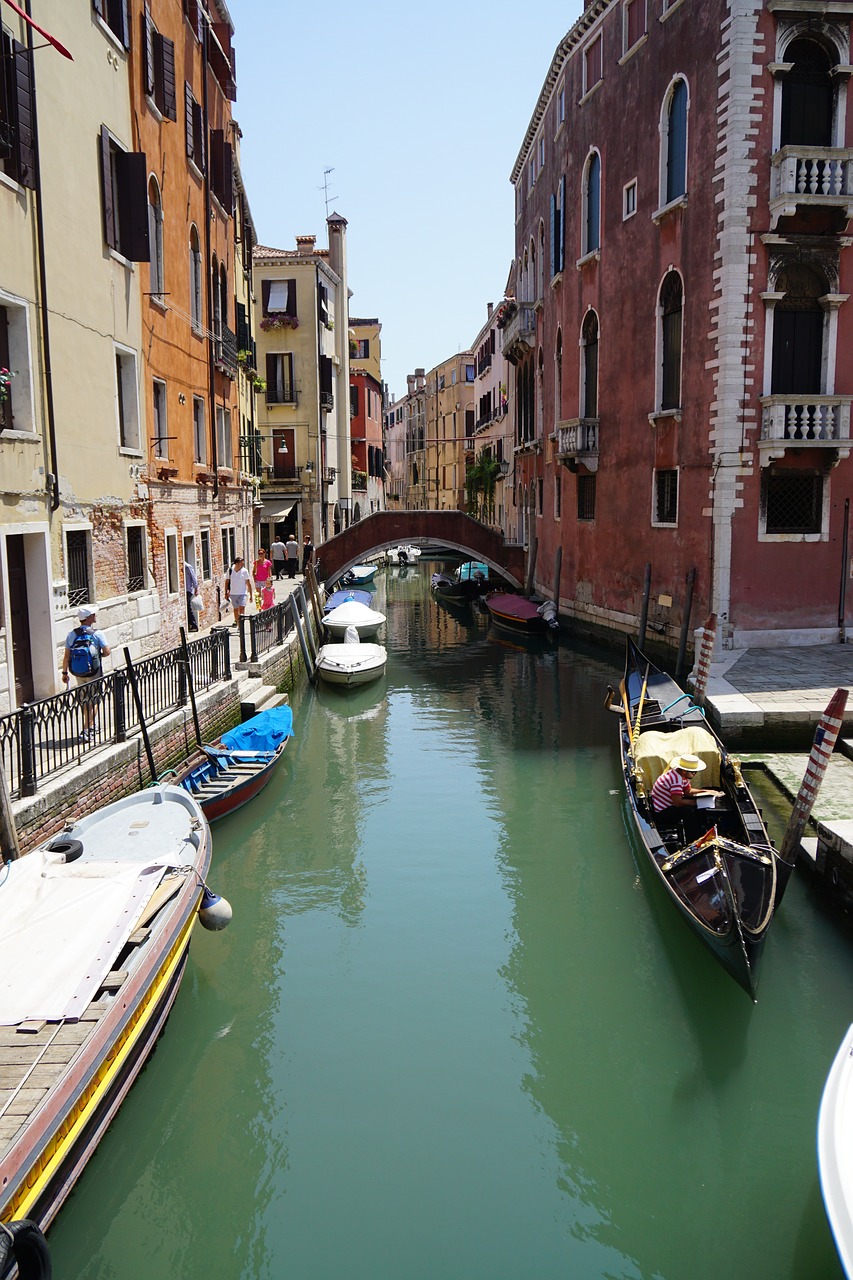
{"points": [[480, 482]]}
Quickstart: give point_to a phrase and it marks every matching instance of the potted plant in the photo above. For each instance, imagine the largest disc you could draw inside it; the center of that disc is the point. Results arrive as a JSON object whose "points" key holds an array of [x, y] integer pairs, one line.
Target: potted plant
{"points": [[279, 321]]}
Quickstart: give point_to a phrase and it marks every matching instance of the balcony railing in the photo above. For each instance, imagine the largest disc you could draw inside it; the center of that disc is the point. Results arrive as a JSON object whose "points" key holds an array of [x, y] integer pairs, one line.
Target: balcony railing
{"points": [[519, 332], [802, 175], [225, 352], [282, 395], [577, 442], [804, 422]]}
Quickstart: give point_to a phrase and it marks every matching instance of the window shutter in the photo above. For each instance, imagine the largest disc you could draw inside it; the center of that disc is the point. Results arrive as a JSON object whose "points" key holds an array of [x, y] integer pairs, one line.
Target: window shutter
{"points": [[188, 108], [325, 375], [147, 52], [132, 183], [265, 297], [242, 328], [164, 76], [353, 400], [562, 235], [26, 156], [217, 162], [198, 137], [291, 298], [110, 227], [228, 178], [555, 266], [676, 160]]}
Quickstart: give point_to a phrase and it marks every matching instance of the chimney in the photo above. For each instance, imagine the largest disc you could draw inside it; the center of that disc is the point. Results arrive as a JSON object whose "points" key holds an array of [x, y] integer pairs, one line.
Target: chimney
{"points": [[420, 374], [489, 310], [305, 244], [410, 383]]}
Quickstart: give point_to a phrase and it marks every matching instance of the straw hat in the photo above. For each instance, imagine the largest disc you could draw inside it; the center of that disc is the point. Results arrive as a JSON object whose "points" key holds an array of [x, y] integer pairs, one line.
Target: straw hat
{"points": [[686, 764]]}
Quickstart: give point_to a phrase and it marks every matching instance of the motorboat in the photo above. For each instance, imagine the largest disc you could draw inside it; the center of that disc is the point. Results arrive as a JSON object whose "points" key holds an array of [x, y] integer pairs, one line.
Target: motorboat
{"points": [[353, 614], [229, 773], [351, 662], [96, 929], [520, 614], [358, 575], [467, 581], [406, 554], [835, 1150], [714, 860], [345, 596]]}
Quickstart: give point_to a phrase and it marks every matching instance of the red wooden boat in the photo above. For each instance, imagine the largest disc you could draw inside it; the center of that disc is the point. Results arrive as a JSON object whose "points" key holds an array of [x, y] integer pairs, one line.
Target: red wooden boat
{"points": [[520, 614], [227, 775]]}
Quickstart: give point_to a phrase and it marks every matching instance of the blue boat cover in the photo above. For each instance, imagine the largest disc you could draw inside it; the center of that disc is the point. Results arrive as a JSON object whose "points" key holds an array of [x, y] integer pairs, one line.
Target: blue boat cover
{"points": [[345, 596], [264, 732]]}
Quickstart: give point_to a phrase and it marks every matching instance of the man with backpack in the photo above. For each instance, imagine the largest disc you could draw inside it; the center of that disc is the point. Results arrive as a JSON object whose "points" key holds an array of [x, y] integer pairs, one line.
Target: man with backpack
{"points": [[84, 650]]}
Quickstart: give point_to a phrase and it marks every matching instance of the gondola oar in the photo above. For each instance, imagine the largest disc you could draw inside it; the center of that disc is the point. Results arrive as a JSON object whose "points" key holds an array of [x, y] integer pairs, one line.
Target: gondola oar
{"points": [[131, 675], [825, 737]]}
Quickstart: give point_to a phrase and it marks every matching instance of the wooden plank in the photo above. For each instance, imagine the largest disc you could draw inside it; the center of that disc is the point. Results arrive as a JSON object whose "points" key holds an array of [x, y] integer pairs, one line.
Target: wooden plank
{"points": [[10, 1039], [9, 1128], [31, 1028], [159, 898], [25, 1102], [24, 1056], [61, 1053], [44, 1076], [74, 1032], [138, 937], [113, 981], [12, 1077]]}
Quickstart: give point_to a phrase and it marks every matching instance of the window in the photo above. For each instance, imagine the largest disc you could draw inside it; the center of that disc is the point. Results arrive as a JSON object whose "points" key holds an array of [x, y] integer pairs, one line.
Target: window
{"points": [[353, 401], [807, 96], [222, 170], [16, 407], [280, 388], [229, 546], [540, 495], [558, 492], [194, 124], [124, 188], [206, 562], [199, 432], [561, 105], [793, 502], [798, 332], [223, 436], [671, 306], [17, 102], [135, 557], [469, 373], [531, 172], [173, 582], [675, 143], [629, 199], [558, 229], [114, 13], [666, 497], [586, 497], [589, 344], [453, 377], [558, 378], [77, 566], [592, 204], [361, 349], [278, 297], [195, 281], [633, 23], [161, 429], [540, 147], [194, 14], [158, 68], [155, 241], [127, 400], [592, 64]]}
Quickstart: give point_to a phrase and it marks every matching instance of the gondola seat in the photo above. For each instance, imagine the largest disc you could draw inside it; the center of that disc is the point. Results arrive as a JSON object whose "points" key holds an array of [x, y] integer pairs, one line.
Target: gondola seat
{"points": [[654, 750]]}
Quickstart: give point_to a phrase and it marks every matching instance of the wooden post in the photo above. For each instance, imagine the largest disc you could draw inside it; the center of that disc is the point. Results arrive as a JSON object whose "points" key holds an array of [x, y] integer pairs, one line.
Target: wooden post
{"points": [[685, 624], [306, 653], [558, 566], [824, 743], [313, 590], [190, 685], [8, 831], [703, 662], [131, 675], [309, 634], [531, 564], [644, 611]]}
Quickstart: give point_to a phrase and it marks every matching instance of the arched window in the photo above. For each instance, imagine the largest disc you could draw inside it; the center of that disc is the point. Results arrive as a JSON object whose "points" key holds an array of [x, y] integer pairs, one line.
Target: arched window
{"points": [[671, 308], [592, 204], [589, 344], [155, 239], [525, 280], [798, 327], [540, 395], [807, 96], [195, 281], [558, 378], [675, 137]]}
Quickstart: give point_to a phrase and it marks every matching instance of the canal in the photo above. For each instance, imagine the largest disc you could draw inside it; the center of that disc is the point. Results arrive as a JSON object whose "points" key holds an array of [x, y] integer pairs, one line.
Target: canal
{"points": [[450, 1033]]}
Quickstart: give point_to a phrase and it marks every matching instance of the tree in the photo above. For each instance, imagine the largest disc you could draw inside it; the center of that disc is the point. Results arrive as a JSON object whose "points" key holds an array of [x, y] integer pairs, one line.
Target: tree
{"points": [[480, 487]]}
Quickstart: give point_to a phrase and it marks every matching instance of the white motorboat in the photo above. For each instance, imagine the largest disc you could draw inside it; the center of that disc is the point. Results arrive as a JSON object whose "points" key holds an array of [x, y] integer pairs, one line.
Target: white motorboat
{"points": [[353, 614], [405, 554], [352, 662], [835, 1150], [358, 575]]}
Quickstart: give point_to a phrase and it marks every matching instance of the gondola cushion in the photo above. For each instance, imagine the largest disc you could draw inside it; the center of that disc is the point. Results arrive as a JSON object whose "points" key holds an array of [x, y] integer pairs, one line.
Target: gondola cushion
{"points": [[654, 751]]}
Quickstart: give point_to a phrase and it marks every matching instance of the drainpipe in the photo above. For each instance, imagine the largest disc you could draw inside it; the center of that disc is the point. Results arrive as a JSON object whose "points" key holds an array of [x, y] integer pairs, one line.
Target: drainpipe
{"points": [[53, 477], [211, 371]]}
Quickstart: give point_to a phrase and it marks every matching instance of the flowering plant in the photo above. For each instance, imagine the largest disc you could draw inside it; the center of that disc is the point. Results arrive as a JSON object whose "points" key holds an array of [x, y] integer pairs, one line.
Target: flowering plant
{"points": [[279, 321], [505, 312], [6, 376]]}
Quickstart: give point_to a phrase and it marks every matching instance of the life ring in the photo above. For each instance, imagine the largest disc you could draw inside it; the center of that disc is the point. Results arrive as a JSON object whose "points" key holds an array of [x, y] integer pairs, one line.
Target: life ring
{"points": [[26, 1243], [71, 849]]}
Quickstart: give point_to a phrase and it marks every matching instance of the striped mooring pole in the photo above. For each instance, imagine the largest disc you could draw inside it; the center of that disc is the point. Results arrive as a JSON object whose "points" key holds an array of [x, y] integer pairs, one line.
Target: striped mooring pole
{"points": [[703, 663], [824, 743]]}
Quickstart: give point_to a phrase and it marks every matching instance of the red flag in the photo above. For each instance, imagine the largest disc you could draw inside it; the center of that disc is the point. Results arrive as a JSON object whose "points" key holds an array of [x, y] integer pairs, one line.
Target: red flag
{"points": [[35, 26]]}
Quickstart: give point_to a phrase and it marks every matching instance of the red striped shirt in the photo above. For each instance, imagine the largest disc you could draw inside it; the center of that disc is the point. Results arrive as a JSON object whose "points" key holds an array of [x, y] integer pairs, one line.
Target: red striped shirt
{"points": [[669, 784]]}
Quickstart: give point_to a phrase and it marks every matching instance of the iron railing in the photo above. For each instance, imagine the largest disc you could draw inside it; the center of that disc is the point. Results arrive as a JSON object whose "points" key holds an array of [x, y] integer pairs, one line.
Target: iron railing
{"points": [[42, 738], [263, 631]]}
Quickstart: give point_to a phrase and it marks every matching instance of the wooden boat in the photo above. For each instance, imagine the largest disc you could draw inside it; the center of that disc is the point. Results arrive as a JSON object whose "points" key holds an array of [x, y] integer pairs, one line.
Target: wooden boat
{"points": [[225, 776], [346, 596], [835, 1150], [353, 614], [715, 863], [352, 662], [466, 582], [520, 614], [358, 575], [97, 925]]}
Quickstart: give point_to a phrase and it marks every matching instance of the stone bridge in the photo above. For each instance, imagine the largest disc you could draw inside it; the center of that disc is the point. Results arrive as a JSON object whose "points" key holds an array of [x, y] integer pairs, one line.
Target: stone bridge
{"points": [[451, 529]]}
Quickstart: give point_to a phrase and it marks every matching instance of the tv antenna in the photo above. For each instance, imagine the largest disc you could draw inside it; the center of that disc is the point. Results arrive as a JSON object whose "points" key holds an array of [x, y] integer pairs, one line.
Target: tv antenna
{"points": [[325, 189]]}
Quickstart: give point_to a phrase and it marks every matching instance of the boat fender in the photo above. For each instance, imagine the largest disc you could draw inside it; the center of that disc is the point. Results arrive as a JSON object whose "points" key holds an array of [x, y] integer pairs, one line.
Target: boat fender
{"points": [[25, 1241], [214, 912], [351, 636], [69, 849]]}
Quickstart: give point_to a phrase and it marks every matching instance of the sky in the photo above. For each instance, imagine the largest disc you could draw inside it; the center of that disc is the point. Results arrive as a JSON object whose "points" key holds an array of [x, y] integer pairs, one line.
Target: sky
{"points": [[420, 115]]}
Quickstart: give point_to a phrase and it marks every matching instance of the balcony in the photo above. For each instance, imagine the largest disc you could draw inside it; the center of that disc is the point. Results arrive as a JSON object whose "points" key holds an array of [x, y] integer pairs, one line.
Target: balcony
{"points": [[804, 422], [327, 401], [282, 395], [815, 177], [225, 352], [518, 334], [577, 443]]}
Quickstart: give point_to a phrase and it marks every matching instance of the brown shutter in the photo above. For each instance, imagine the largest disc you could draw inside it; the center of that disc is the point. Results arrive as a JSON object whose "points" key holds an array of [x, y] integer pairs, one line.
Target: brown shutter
{"points": [[228, 177], [5, 363], [265, 297], [132, 183], [164, 76], [188, 107], [26, 150], [271, 376], [291, 298], [217, 147], [110, 227]]}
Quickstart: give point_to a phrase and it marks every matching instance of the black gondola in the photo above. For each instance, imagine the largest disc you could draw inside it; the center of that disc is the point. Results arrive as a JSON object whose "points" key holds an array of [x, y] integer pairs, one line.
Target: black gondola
{"points": [[716, 863]]}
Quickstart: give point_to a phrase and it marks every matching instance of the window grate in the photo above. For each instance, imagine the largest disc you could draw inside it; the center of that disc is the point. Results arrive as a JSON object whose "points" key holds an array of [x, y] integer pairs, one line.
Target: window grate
{"points": [[666, 497], [794, 503], [77, 553], [135, 559], [586, 497]]}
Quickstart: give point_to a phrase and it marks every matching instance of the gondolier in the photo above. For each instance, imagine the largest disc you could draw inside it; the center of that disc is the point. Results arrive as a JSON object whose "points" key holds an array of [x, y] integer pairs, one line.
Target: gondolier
{"points": [[673, 788]]}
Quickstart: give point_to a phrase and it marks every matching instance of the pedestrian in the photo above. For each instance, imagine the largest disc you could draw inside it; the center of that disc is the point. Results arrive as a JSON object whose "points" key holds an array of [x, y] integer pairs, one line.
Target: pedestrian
{"points": [[191, 589], [279, 555], [292, 549], [307, 554], [262, 573], [85, 649], [238, 587]]}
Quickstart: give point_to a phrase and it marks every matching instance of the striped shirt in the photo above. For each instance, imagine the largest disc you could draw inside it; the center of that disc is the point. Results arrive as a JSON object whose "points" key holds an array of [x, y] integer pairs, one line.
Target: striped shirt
{"points": [[669, 784]]}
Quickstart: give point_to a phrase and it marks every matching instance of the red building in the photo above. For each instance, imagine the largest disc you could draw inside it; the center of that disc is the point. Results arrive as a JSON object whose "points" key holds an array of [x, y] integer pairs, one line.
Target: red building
{"points": [[368, 454], [681, 334]]}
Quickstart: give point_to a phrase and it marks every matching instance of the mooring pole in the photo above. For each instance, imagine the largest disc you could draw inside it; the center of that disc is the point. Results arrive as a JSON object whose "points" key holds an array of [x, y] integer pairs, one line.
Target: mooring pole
{"points": [[825, 738], [531, 564], [309, 634], [190, 684], [685, 624], [131, 675], [558, 566], [300, 631], [644, 612], [842, 595], [703, 662]]}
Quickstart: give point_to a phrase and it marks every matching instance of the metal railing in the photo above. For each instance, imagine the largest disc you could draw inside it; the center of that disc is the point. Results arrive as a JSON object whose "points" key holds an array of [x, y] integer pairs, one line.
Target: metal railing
{"points": [[42, 738], [264, 631]]}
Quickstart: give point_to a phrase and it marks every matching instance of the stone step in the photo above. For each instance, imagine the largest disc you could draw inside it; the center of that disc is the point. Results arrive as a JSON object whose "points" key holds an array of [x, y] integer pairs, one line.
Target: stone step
{"points": [[260, 698]]}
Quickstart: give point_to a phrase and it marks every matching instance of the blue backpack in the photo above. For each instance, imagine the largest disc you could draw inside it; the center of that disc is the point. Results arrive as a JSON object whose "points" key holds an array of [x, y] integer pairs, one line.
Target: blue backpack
{"points": [[85, 656]]}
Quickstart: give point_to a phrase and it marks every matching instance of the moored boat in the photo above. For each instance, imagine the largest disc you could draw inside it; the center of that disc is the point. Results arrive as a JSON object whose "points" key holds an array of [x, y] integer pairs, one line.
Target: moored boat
{"points": [[520, 614], [353, 614], [446, 587], [345, 596], [835, 1150], [406, 554], [231, 772], [358, 575], [714, 860], [97, 926], [352, 662]]}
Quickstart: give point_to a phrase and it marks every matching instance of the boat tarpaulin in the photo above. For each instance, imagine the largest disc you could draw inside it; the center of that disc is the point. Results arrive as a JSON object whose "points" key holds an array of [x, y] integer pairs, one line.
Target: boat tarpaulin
{"points": [[264, 732], [653, 752]]}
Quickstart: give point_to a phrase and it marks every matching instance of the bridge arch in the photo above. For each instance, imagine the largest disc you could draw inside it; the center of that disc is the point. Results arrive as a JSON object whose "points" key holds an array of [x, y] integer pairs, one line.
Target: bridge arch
{"points": [[452, 529]]}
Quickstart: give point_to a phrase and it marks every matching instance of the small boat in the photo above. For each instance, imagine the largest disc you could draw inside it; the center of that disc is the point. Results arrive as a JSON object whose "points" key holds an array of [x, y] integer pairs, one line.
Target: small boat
{"points": [[358, 575], [96, 929], [476, 571], [520, 614], [715, 861], [405, 554], [346, 596], [352, 614], [352, 662], [835, 1149], [225, 776], [467, 581]]}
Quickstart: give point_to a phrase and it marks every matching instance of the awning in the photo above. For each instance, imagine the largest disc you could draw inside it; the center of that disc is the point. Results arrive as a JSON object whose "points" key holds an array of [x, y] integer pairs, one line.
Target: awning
{"points": [[275, 515]]}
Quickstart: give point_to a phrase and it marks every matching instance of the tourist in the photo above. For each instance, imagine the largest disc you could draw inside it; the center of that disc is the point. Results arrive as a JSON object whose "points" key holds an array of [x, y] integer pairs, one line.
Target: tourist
{"points": [[279, 555], [191, 590], [238, 586], [85, 648], [307, 554], [673, 789], [292, 549]]}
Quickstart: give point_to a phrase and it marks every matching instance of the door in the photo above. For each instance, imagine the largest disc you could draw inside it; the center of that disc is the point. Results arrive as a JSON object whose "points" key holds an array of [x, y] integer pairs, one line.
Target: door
{"points": [[797, 352], [22, 657]]}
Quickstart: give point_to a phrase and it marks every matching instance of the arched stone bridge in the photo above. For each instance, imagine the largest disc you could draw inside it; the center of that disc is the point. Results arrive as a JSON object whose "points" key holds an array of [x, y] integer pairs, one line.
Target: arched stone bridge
{"points": [[451, 529]]}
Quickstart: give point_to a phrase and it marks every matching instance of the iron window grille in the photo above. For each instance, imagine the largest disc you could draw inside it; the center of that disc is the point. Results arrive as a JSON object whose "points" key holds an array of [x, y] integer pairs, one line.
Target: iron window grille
{"points": [[794, 503]]}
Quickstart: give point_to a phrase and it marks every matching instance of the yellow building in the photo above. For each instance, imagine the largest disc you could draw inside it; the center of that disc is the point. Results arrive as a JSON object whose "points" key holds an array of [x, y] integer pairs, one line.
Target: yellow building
{"points": [[449, 444]]}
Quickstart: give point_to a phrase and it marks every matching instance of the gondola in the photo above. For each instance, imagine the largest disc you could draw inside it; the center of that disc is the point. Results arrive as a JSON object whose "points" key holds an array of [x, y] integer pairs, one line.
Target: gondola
{"points": [[716, 863]]}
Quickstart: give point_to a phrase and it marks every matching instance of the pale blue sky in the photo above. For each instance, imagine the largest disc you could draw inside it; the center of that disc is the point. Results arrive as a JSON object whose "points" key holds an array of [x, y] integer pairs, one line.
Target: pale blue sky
{"points": [[421, 114]]}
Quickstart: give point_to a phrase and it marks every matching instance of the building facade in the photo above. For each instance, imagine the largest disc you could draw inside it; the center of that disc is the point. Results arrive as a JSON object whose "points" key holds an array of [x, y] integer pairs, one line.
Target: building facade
{"points": [[489, 482], [366, 417], [450, 407]]}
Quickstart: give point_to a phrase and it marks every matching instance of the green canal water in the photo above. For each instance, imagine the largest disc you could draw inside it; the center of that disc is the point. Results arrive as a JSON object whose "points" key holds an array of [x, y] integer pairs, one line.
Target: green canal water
{"points": [[451, 1034]]}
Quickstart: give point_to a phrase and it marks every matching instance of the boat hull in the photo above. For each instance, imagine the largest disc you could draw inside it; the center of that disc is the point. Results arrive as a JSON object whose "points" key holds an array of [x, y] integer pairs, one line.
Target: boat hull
{"points": [[226, 793], [835, 1150], [516, 614], [351, 664]]}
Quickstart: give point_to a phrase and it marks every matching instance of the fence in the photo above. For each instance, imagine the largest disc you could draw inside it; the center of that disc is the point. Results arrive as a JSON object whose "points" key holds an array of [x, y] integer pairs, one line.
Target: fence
{"points": [[42, 738], [265, 630]]}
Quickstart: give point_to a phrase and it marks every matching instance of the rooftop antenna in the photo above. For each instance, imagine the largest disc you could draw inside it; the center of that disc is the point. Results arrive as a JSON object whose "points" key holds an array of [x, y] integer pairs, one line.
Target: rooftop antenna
{"points": [[328, 198]]}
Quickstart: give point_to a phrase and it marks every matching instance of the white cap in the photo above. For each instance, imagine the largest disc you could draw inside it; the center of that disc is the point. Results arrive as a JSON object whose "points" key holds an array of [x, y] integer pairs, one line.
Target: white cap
{"points": [[85, 611]]}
